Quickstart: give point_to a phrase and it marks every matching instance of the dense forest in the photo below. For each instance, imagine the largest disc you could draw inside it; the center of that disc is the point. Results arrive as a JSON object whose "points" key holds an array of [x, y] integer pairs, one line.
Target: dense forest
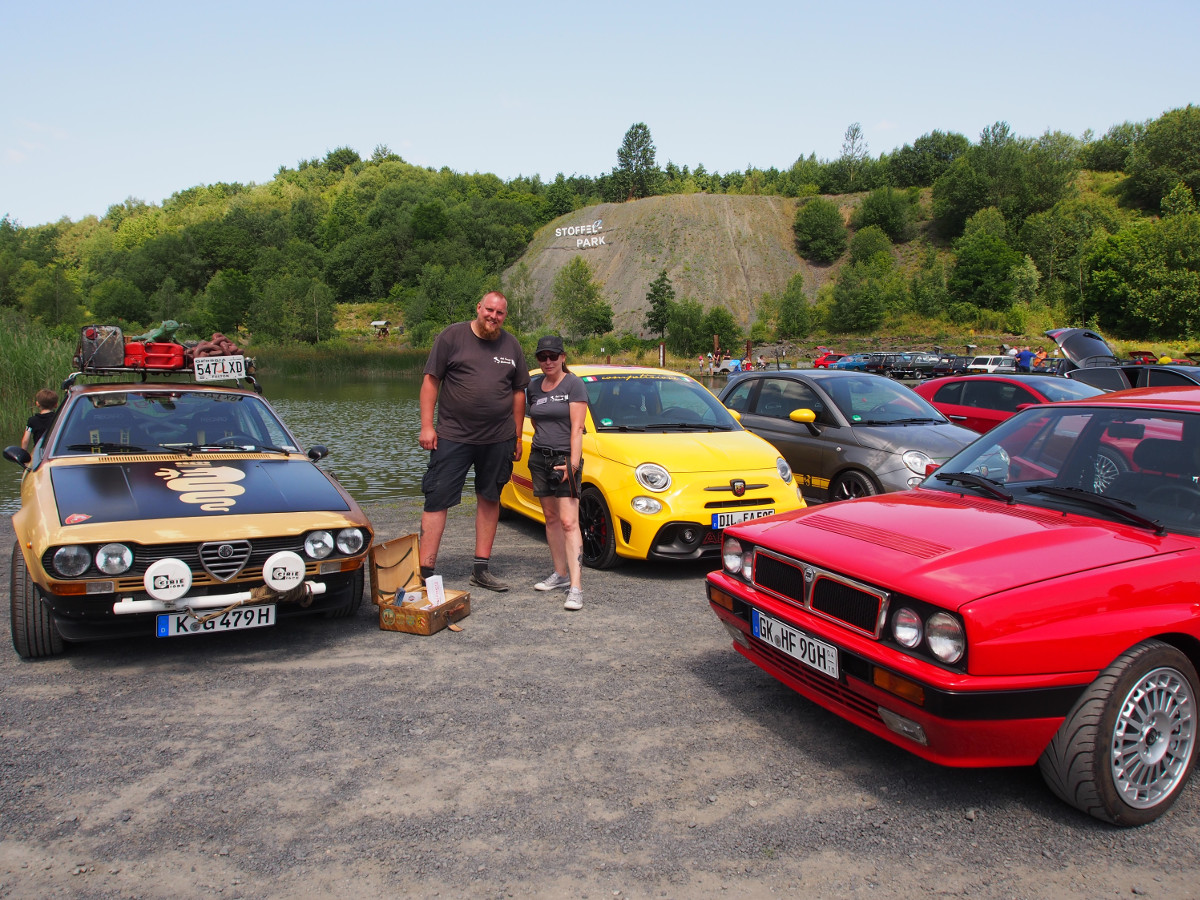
{"points": [[1103, 231]]}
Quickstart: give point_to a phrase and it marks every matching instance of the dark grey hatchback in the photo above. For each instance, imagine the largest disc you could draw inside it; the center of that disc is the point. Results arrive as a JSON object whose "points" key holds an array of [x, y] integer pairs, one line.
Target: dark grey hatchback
{"points": [[845, 434]]}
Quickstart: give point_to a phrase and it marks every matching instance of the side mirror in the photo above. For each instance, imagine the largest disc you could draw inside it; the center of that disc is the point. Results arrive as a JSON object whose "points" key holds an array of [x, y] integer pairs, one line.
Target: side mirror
{"points": [[805, 417], [317, 452], [737, 416], [17, 455]]}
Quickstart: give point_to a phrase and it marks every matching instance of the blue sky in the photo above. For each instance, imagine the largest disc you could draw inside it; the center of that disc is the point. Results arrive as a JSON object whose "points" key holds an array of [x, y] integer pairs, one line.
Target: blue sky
{"points": [[104, 101]]}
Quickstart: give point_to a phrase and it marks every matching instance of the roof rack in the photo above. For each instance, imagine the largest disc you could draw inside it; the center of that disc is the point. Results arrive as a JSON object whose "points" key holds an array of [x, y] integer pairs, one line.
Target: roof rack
{"points": [[185, 374]]}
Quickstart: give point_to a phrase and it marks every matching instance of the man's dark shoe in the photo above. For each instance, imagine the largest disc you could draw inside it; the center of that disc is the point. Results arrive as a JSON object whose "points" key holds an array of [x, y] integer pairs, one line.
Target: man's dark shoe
{"points": [[486, 579]]}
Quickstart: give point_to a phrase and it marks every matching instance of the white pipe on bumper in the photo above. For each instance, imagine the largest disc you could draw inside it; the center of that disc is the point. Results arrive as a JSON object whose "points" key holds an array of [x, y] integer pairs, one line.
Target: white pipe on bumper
{"points": [[128, 606]]}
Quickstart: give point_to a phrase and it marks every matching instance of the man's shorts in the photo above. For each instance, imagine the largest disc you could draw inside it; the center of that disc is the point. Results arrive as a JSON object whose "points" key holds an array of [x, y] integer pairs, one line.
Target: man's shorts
{"points": [[448, 466], [542, 463]]}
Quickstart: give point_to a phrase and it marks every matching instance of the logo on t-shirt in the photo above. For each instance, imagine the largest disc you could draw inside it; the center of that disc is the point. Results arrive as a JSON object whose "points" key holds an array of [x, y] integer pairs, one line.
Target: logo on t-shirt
{"points": [[504, 361]]}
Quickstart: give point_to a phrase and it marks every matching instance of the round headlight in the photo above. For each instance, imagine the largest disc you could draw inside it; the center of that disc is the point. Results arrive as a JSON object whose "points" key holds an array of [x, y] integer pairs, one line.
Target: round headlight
{"points": [[916, 461], [72, 561], [319, 544], [906, 628], [731, 555], [945, 636], [653, 477], [785, 471], [647, 505], [113, 559], [350, 541]]}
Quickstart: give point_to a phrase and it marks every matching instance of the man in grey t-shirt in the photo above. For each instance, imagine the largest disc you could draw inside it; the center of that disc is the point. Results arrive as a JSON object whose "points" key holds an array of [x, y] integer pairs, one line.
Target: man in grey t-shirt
{"points": [[476, 377]]}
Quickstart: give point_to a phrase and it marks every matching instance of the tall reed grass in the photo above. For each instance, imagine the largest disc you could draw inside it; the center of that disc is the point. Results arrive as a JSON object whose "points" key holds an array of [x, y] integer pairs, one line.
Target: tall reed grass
{"points": [[30, 359]]}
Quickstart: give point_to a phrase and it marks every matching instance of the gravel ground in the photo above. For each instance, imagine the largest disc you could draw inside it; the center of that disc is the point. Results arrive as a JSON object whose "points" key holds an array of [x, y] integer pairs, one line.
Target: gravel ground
{"points": [[621, 751]]}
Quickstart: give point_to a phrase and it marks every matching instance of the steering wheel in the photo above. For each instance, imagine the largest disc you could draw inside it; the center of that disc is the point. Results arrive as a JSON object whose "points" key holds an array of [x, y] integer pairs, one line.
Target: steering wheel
{"points": [[1183, 496], [679, 414]]}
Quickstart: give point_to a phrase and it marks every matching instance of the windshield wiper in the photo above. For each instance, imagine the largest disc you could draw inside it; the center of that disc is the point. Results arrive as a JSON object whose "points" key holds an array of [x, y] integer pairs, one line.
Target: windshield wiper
{"points": [[1111, 504], [700, 426], [231, 448], [621, 428], [917, 420], [987, 484]]}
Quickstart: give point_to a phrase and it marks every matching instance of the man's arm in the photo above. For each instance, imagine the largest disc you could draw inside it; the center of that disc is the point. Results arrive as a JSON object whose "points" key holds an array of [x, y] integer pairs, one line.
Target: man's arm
{"points": [[428, 400]]}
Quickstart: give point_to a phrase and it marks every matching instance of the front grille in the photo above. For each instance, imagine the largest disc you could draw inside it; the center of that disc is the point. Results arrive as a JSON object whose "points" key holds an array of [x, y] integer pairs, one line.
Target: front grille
{"points": [[224, 559], [835, 691], [827, 594], [745, 501]]}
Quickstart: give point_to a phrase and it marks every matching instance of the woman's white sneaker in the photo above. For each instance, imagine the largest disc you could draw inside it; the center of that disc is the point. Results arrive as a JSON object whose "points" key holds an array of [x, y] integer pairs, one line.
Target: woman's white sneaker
{"points": [[553, 582], [574, 599]]}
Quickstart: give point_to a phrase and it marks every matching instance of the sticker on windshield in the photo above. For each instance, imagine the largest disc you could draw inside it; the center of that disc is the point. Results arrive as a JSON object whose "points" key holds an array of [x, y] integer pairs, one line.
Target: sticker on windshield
{"points": [[856, 418]]}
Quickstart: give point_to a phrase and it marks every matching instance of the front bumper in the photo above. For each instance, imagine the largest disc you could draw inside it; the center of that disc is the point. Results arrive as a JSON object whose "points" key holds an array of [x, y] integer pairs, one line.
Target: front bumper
{"points": [[958, 721]]}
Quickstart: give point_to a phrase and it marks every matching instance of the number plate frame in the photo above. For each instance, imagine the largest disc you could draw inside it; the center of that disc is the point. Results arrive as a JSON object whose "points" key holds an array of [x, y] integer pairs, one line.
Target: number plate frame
{"points": [[183, 624], [219, 368], [725, 519], [814, 653]]}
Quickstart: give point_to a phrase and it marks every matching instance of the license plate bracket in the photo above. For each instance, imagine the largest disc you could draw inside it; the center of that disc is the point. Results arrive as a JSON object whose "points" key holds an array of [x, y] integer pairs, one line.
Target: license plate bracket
{"points": [[725, 519], [183, 624], [795, 643]]}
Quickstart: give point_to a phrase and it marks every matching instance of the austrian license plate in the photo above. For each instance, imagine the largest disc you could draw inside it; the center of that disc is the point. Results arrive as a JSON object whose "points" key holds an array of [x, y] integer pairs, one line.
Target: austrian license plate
{"points": [[180, 624], [722, 520], [220, 368], [796, 644]]}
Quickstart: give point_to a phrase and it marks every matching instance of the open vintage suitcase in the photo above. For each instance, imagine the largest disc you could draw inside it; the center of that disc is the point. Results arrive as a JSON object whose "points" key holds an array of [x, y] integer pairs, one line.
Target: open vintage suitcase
{"points": [[395, 573]]}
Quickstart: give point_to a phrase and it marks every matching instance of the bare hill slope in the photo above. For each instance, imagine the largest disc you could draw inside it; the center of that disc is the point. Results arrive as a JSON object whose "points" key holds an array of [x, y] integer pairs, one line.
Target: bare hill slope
{"points": [[720, 250]]}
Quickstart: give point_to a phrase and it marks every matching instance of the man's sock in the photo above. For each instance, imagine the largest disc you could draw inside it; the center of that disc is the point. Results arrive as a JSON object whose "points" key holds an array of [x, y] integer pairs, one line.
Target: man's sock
{"points": [[480, 564]]}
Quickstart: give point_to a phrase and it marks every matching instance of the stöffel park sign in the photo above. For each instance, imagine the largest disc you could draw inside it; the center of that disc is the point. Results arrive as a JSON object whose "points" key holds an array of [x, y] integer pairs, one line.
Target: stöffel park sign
{"points": [[585, 235]]}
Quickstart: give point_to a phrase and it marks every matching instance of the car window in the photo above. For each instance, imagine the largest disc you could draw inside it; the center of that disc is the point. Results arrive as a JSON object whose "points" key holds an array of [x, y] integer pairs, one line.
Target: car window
{"points": [[875, 400], [649, 401], [950, 393], [780, 396], [1167, 378], [998, 395]]}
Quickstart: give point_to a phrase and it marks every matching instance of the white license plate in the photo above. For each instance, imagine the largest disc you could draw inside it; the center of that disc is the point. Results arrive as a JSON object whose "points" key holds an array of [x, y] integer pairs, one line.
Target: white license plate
{"points": [[722, 520], [180, 624], [796, 644], [220, 368]]}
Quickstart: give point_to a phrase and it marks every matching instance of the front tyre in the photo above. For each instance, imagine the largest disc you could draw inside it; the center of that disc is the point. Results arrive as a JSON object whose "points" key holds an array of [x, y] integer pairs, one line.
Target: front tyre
{"points": [[354, 597], [1127, 747], [34, 633], [851, 485], [596, 529]]}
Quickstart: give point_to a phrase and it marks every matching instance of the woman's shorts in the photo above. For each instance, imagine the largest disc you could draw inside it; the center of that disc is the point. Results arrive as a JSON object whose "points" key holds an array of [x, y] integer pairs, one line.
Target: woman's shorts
{"points": [[544, 476]]}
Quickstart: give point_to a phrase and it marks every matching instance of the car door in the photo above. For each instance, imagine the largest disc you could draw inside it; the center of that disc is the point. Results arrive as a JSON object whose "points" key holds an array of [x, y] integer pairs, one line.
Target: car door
{"points": [[988, 402], [767, 415]]}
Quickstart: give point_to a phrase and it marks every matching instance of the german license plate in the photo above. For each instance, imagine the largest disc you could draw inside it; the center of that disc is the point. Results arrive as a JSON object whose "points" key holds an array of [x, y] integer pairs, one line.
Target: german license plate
{"points": [[219, 368], [180, 624], [722, 520], [796, 644]]}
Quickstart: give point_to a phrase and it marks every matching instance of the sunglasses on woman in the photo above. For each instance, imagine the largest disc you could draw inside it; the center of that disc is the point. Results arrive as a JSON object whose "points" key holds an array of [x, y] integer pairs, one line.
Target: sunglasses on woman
{"points": [[545, 355]]}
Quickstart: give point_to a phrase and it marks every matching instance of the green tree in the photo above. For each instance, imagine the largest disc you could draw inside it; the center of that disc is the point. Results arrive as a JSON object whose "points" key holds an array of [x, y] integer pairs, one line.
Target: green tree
{"points": [[1166, 154], [520, 291], [1110, 153], [117, 298], [636, 171], [867, 242], [228, 299], [820, 231], [560, 197], [794, 318], [927, 159], [658, 300], [720, 321], [927, 287], [889, 209], [685, 329], [579, 302], [982, 270]]}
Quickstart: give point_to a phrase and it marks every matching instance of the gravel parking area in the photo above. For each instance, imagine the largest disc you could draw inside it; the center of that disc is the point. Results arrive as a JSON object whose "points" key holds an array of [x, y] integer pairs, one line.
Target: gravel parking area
{"points": [[621, 751]]}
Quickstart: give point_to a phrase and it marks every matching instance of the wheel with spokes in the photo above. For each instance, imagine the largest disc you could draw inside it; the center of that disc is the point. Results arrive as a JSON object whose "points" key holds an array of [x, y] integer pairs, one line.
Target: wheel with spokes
{"points": [[596, 528], [1127, 747], [852, 484]]}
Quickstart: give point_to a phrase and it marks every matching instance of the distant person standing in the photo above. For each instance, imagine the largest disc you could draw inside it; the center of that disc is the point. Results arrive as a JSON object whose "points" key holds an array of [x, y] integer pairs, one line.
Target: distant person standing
{"points": [[45, 402], [476, 377], [1024, 359]]}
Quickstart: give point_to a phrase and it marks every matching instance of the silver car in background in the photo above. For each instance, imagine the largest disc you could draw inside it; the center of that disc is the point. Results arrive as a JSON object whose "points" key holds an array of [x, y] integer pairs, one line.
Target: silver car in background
{"points": [[845, 434]]}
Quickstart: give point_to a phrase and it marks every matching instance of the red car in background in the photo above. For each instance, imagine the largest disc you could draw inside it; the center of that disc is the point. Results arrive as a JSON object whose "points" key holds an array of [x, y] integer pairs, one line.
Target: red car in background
{"points": [[981, 402], [826, 359], [1005, 612]]}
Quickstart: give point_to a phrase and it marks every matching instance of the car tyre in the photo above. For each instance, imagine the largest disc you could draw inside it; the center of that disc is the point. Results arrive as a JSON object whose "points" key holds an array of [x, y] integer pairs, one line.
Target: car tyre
{"points": [[355, 597], [1127, 747], [850, 485], [34, 634], [597, 529]]}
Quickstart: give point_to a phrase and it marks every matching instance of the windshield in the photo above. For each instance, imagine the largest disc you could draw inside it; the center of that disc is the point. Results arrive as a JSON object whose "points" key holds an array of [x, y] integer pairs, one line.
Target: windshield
{"points": [[872, 400], [154, 421], [638, 401], [1108, 462]]}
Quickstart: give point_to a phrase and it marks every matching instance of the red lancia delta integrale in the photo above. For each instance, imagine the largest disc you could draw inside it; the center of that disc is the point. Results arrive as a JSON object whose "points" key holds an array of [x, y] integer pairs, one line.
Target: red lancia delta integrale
{"points": [[1019, 607]]}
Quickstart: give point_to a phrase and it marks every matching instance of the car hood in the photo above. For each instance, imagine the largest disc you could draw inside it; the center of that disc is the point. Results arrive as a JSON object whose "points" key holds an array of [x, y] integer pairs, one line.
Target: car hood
{"points": [[938, 442], [188, 487], [1083, 347], [952, 549], [681, 452]]}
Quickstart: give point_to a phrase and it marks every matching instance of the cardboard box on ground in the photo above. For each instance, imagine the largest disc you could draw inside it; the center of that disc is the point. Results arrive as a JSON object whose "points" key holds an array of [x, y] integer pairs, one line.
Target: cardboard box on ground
{"points": [[405, 602]]}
